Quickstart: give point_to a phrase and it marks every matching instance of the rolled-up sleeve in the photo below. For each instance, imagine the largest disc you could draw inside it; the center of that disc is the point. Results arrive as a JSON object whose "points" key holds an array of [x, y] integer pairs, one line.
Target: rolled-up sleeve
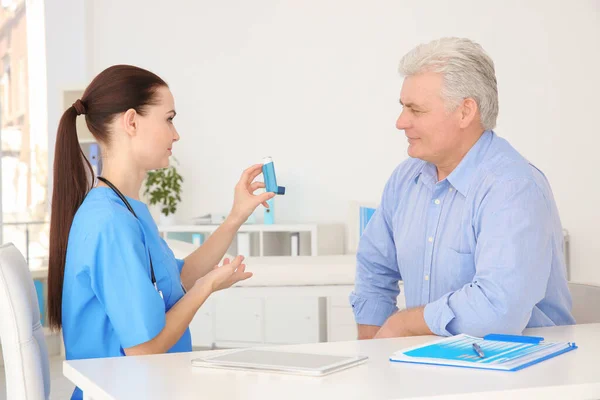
{"points": [[512, 265], [376, 283]]}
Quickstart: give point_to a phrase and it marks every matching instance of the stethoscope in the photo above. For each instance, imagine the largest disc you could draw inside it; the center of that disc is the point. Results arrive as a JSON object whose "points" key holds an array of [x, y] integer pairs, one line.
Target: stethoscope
{"points": [[124, 200]]}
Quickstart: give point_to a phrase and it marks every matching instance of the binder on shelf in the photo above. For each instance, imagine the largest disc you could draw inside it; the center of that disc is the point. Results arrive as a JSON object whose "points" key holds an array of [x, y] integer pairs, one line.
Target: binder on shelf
{"points": [[365, 215], [243, 243], [269, 213], [295, 243], [197, 239]]}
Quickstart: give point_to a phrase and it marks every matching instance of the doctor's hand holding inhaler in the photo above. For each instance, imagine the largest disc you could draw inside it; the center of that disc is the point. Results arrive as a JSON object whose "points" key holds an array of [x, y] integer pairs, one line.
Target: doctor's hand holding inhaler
{"points": [[244, 204]]}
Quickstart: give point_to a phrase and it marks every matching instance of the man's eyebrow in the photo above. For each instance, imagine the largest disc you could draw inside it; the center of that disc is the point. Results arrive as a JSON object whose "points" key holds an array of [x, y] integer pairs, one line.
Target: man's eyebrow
{"points": [[409, 105]]}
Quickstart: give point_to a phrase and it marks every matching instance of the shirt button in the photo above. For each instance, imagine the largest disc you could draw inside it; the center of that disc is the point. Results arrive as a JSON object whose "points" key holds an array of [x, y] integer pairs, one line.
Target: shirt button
{"points": [[426, 277], [437, 201], [450, 189], [430, 239]]}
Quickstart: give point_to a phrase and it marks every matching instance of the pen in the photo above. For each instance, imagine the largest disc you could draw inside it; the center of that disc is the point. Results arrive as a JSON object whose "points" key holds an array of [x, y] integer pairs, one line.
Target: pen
{"points": [[478, 350]]}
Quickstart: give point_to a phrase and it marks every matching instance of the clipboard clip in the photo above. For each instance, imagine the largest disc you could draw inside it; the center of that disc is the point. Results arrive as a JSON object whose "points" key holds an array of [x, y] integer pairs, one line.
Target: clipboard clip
{"points": [[514, 338]]}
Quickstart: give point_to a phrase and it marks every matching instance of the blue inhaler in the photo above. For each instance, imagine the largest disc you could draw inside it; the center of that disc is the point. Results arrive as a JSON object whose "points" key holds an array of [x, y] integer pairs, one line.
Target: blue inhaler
{"points": [[268, 170]]}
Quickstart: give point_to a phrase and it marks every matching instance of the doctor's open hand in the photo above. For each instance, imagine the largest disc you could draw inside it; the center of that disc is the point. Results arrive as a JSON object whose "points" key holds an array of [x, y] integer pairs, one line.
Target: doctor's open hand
{"points": [[226, 275], [244, 200]]}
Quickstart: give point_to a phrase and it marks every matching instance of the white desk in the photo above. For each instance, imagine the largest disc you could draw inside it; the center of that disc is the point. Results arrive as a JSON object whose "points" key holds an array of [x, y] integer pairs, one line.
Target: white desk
{"points": [[574, 375]]}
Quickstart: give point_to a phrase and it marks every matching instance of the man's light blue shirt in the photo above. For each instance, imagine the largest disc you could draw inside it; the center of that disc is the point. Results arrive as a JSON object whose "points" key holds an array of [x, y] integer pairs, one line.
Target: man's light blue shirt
{"points": [[481, 249]]}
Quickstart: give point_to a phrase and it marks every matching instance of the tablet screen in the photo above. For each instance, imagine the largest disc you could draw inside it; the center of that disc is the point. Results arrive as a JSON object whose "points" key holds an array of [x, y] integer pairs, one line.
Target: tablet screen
{"points": [[252, 357]]}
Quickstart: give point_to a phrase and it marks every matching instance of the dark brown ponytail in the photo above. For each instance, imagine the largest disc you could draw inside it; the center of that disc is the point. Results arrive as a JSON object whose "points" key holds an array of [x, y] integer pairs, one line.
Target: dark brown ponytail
{"points": [[114, 91]]}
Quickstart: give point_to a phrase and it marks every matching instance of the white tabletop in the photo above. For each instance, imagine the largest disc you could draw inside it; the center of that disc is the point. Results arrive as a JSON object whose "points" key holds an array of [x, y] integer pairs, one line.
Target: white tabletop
{"points": [[573, 375]]}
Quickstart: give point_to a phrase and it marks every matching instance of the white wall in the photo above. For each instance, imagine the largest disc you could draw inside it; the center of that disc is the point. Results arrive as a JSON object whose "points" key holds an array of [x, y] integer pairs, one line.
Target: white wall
{"points": [[38, 94], [313, 83], [66, 57]]}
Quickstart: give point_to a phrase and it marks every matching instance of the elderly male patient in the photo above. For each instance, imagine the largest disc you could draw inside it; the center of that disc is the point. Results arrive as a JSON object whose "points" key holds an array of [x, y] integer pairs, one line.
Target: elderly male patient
{"points": [[469, 225]]}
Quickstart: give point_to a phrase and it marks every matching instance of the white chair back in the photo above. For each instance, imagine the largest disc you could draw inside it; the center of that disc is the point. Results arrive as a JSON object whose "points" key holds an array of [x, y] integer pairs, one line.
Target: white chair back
{"points": [[586, 302], [23, 343]]}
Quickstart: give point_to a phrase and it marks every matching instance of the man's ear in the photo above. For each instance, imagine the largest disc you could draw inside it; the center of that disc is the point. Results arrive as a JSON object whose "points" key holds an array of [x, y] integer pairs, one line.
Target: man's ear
{"points": [[469, 112], [130, 122]]}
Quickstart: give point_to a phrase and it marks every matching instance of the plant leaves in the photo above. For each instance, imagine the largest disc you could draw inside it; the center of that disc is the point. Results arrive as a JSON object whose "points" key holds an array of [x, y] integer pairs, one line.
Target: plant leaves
{"points": [[164, 188]]}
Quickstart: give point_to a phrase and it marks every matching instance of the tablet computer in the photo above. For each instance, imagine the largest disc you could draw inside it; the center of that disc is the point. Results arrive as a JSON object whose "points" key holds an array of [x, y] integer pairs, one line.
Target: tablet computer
{"points": [[279, 361]]}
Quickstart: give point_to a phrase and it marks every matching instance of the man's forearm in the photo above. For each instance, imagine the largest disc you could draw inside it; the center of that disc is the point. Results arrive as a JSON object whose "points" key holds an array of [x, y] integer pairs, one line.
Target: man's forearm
{"points": [[409, 322], [367, 331]]}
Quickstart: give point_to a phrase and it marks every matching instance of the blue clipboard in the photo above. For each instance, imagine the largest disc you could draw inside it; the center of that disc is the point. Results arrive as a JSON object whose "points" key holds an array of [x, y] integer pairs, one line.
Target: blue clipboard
{"points": [[495, 352]]}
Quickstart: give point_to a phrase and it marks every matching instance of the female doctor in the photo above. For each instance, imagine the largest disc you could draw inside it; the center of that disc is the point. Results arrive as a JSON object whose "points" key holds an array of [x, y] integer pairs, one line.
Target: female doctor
{"points": [[114, 286]]}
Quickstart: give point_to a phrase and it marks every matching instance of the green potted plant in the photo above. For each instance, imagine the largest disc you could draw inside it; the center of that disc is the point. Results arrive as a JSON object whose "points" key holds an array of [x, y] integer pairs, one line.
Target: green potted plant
{"points": [[163, 188]]}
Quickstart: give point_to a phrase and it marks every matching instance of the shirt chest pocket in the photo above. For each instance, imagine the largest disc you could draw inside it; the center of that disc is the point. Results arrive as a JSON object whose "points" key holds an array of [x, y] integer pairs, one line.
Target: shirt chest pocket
{"points": [[457, 268], [167, 275]]}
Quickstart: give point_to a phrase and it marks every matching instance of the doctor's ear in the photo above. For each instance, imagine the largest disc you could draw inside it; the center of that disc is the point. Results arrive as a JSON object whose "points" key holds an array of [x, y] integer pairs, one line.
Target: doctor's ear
{"points": [[130, 122]]}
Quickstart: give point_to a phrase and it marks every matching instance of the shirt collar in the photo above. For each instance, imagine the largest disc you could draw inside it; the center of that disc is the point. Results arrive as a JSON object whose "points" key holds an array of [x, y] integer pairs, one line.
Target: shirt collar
{"points": [[427, 175], [463, 174]]}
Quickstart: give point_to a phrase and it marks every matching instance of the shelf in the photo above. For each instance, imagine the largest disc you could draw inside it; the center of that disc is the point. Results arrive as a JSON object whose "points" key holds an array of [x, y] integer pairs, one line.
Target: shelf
{"points": [[271, 240], [243, 228]]}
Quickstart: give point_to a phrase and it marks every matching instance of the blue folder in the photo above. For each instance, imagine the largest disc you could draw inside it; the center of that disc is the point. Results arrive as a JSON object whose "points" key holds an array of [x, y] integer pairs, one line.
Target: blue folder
{"points": [[39, 289], [496, 352]]}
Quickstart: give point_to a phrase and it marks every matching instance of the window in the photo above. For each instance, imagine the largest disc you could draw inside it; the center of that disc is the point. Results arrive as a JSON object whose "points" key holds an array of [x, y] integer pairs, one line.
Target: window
{"points": [[23, 154]]}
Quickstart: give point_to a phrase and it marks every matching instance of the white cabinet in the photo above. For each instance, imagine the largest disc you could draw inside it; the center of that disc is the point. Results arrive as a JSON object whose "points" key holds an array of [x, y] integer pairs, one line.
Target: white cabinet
{"points": [[202, 327], [340, 320], [294, 320], [242, 317], [239, 319]]}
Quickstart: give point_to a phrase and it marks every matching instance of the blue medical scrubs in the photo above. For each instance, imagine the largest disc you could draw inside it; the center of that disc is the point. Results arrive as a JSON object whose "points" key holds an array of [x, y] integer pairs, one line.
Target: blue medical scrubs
{"points": [[109, 302]]}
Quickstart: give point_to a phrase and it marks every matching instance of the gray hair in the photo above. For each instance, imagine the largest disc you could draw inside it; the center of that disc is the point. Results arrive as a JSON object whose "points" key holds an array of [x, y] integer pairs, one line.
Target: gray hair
{"points": [[467, 71]]}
